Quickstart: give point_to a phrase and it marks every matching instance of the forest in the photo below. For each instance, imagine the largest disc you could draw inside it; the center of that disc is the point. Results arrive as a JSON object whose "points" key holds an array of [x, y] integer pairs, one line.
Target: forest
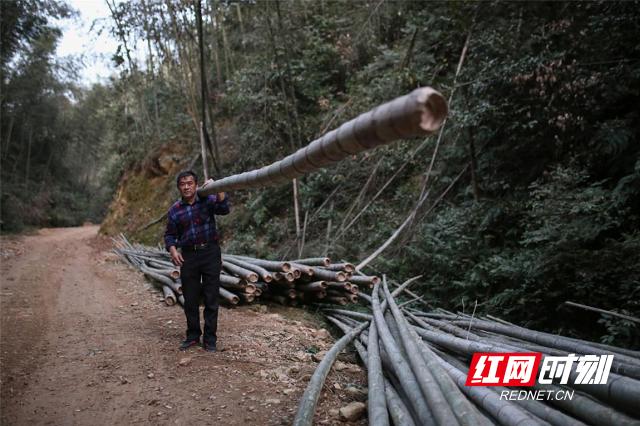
{"points": [[528, 196]]}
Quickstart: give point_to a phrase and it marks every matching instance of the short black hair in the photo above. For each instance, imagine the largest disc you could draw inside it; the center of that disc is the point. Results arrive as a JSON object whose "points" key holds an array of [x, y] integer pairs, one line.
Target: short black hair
{"points": [[185, 174]]}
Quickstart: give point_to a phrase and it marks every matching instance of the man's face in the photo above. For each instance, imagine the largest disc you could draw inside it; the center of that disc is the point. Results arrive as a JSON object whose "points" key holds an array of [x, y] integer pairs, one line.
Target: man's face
{"points": [[187, 187]]}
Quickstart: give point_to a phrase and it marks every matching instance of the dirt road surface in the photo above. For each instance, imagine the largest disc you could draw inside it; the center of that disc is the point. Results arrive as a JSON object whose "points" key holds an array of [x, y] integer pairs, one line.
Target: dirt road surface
{"points": [[87, 341]]}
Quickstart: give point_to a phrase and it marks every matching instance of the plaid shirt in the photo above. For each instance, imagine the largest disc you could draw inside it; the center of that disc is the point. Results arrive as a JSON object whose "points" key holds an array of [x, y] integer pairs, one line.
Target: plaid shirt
{"points": [[190, 224]]}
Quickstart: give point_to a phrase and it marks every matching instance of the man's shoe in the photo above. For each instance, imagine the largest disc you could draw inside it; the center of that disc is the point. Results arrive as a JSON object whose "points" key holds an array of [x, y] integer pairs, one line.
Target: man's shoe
{"points": [[189, 343], [209, 348]]}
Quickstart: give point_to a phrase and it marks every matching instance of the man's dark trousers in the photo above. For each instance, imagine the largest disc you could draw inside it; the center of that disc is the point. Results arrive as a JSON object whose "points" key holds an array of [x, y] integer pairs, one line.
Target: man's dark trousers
{"points": [[200, 274]]}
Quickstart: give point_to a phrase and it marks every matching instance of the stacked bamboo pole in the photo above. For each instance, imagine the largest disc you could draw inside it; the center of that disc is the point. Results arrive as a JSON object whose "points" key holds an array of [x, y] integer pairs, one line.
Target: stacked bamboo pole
{"points": [[246, 280], [418, 364], [417, 361]]}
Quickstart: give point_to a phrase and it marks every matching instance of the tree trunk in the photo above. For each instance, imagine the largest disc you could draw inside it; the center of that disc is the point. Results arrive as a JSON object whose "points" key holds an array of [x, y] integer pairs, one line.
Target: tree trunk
{"points": [[328, 241], [187, 71], [204, 95], [296, 210], [121, 34], [292, 95], [225, 46], [473, 165], [46, 171], [28, 162], [304, 232], [280, 79], [147, 29], [8, 143], [214, 44], [205, 165], [407, 58], [239, 12]]}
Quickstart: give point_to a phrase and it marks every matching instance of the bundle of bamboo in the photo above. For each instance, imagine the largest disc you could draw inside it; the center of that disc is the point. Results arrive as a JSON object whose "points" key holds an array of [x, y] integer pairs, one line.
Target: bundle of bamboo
{"points": [[247, 279], [417, 361], [418, 364]]}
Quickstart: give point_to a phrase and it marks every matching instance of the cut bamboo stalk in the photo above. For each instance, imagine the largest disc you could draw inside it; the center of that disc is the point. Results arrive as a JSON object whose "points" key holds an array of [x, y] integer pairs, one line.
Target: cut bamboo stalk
{"points": [[346, 286], [174, 274], [364, 280], [270, 265], [306, 409], [377, 403], [303, 269], [250, 288], [230, 281], [228, 296], [287, 276], [444, 399], [262, 272], [400, 366], [345, 267], [312, 286], [603, 311], [169, 296], [159, 264], [314, 261], [335, 276], [398, 410], [241, 272], [353, 314], [162, 279], [176, 286]]}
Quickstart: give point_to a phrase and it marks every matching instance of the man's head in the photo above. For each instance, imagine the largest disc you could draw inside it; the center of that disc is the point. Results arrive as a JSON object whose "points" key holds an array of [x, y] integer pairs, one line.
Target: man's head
{"points": [[187, 182]]}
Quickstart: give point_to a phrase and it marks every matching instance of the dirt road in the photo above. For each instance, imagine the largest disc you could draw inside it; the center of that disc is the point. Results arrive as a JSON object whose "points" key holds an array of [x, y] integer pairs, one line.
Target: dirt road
{"points": [[85, 341]]}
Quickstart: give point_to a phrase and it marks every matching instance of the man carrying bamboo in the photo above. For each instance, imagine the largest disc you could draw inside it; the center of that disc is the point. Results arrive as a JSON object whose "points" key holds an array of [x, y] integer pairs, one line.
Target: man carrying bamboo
{"points": [[192, 239]]}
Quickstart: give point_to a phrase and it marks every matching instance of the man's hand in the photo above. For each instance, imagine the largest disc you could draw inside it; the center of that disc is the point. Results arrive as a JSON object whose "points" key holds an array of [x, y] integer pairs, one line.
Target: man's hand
{"points": [[220, 195], [176, 256]]}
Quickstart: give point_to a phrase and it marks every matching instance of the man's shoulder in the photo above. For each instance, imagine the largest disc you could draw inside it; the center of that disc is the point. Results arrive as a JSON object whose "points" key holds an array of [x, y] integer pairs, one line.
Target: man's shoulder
{"points": [[175, 206]]}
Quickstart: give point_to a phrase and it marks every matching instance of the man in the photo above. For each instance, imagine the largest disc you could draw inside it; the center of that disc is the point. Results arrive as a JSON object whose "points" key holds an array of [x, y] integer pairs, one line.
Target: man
{"points": [[191, 227]]}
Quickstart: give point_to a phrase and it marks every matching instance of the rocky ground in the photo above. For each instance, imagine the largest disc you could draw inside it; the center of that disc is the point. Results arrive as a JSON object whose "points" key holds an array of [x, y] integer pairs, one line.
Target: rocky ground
{"points": [[86, 340]]}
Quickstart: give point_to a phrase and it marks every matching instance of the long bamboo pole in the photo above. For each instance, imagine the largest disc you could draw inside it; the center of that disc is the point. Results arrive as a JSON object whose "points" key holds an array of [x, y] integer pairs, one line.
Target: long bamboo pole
{"points": [[306, 409], [419, 113]]}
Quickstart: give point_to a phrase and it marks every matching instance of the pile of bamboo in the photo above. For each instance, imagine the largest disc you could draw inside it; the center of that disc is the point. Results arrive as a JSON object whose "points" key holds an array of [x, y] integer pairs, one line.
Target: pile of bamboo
{"points": [[156, 267], [245, 279], [418, 363], [293, 282]]}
